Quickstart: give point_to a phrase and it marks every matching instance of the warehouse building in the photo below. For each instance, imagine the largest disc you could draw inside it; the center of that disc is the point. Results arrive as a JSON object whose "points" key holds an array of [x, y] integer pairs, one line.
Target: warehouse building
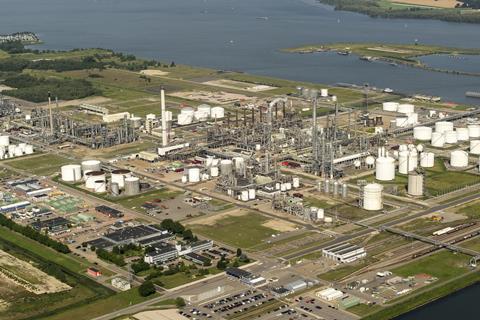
{"points": [[14, 206], [344, 253], [109, 212], [56, 224], [246, 277], [161, 254], [330, 294]]}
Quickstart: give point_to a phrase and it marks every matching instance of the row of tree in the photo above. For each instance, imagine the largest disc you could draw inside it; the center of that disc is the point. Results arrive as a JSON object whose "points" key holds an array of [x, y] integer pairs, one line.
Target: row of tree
{"points": [[111, 257], [33, 234], [177, 228]]}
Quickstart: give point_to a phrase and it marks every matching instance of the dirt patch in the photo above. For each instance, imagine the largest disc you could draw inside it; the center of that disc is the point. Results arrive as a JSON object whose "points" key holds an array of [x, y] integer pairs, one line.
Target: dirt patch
{"points": [[23, 274], [154, 73], [212, 220], [5, 88], [212, 97], [77, 102], [231, 84], [430, 3], [169, 314], [280, 225]]}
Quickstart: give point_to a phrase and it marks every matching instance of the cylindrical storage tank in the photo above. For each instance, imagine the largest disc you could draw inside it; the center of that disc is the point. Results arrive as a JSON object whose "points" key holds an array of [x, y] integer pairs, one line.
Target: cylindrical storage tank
{"points": [[385, 169], [412, 118], [2, 152], [443, 126], [71, 173], [326, 186], [401, 122], [288, 186], [11, 150], [226, 167], [324, 93], [372, 197], [475, 147], [403, 161], [18, 151], [427, 159], [473, 130], [4, 141], [370, 161], [194, 174], [132, 186], [252, 194], [90, 165], [296, 182], [169, 115], [114, 189], [118, 176], [406, 108], [22, 146], [422, 133], [244, 195], [135, 122], [420, 147], [214, 171], [403, 147], [28, 149], [415, 184], [462, 134], [184, 119], [390, 106], [92, 177], [201, 116], [328, 219], [217, 113], [450, 137], [357, 164], [438, 139], [336, 188], [239, 164], [412, 160], [459, 159], [205, 108], [184, 179], [344, 190], [100, 186]]}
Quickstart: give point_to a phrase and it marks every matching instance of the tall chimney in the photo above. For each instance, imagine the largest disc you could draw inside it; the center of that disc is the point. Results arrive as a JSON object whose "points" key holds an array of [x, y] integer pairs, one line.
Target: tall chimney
{"points": [[164, 119]]}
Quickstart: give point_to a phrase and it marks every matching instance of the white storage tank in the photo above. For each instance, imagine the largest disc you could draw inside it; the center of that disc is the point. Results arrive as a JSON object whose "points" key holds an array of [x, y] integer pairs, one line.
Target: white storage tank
{"points": [[357, 164], [401, 122], [136, 122], [420, 147], [296, 182], [475, 147], [194, 174], [217, 113], [415, 184], [403, 161], [462, 134], [370, 161], [422, 133], [244, 196], [201, 116], [214, 171], [92, 177], [406, 108], [22, 146], [390, 106], [412, 118], [459, 159], [385, 169], [90, 165], [4, 141], [239, 163], [118, 176], [450, 137], [324, 93], [473, 130], [28, 149], [412, 160], [252, 194], [443, 126], [427, 159], [438, 139], [71, 173], [205, 108], [100, 186], [226, 167], [18, 151], [372, 197], [184, 119], [132, 186]]}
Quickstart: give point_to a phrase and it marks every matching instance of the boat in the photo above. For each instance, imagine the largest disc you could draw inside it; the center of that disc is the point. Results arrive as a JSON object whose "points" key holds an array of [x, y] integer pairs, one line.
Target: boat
{"points": [[472, 94], [343, 53], [262, 18]]}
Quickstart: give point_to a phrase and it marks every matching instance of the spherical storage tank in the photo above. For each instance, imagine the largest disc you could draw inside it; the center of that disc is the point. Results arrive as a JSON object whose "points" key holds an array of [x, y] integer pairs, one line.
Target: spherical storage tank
{"points": [[217, 113], [390, 106], [385, 169], [90, 165], [422, 133], [194, 174], [4, 141], [427, 159], [132, 186], [459, 159], [442, 126], [372, 197], [438, 139], [473, 130], [370, 161], [118, 176], [450, 137], [71, 173], [462, 134], [475, 147], [92, 177], [406, 108]]}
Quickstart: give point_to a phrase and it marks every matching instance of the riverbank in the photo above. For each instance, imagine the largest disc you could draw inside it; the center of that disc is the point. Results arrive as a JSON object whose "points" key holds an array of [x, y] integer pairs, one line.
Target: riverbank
{"points": [[394, 54], [394, 10]]}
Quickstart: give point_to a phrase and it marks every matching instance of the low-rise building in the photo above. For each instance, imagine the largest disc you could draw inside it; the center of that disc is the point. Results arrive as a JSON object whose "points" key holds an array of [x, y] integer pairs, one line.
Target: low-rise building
{"points": [[330, 294], [344, 253]]}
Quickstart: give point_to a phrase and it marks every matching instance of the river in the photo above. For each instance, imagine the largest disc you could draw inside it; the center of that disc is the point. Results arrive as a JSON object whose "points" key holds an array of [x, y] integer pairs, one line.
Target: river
{"points": [[228, 34]]}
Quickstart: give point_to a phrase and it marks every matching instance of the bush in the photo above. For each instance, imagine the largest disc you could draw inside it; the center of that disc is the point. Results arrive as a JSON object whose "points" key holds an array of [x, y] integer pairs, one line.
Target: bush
{"points": [[146, 289], [140, 266], [179, 302], [111, 257]]}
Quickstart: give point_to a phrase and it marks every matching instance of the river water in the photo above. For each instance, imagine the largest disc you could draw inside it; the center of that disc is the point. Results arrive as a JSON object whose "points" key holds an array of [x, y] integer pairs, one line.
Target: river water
{"points": [[228, 34]]}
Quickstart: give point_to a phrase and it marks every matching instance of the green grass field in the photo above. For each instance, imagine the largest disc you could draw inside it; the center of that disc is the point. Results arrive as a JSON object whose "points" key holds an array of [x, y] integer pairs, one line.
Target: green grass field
{"points": [[239, 231], [135, 202], [42, 165], [471, 210]]}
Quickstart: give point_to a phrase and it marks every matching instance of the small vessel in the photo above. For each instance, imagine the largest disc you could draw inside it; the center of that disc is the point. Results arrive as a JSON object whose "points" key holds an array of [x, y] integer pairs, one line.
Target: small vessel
{"points": [[262, 18], [472, 94], [343, 53]]}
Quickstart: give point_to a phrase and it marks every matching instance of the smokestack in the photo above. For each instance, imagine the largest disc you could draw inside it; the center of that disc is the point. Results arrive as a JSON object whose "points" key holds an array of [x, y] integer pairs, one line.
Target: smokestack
{"points": [[164, 119], [50, 111]]}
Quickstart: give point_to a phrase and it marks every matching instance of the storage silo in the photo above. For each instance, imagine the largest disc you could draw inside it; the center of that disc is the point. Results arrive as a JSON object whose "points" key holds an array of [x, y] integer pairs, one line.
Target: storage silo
{"points": [[427, 159], [403, 161], [422, 133], [324, 93], [326, 186], [132, 186], [415, 184], [475, 147], [473, 130], [451, 137], [443, 126], [92, 177], [118, 176], [462, 134], [4, 141], [226, 167], [438, 139], [100, 186], [406, 108], [357, 164], [372, 197], [135, 122], [385, 169], [90, 165], [217, 113], [390, 106], [71, 173], [252, 194], [459, 159], [194, 174], [115, 189]]}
